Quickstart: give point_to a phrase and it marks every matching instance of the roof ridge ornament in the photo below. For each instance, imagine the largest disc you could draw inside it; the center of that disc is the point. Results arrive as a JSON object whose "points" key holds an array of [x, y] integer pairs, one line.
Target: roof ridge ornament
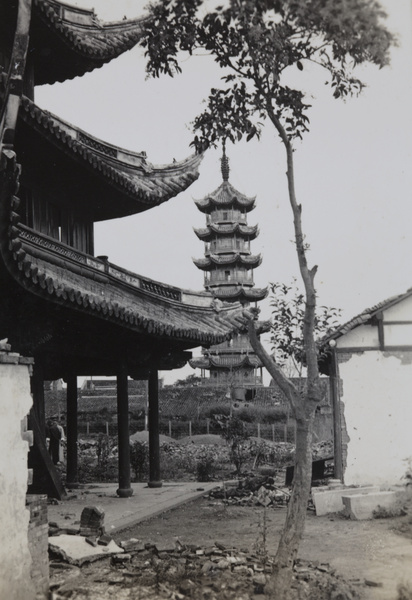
{"points": [[224, 163]]}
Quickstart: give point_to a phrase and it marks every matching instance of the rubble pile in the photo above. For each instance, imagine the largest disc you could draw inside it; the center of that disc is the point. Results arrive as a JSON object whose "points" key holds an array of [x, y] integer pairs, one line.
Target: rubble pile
{"points": [[253, 491], [189, 571], [322, 449]]}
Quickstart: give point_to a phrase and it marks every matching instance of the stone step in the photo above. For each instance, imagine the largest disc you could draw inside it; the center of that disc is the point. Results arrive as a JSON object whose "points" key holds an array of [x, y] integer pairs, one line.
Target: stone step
{"points": [[359, 507], [329, 500]]}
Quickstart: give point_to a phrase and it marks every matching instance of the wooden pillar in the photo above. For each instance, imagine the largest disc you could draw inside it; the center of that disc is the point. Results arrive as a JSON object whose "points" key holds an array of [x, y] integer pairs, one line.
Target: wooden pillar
{"points": [[72, 432], [337, 422], [125, 489], [37, 389], [154, 445]]}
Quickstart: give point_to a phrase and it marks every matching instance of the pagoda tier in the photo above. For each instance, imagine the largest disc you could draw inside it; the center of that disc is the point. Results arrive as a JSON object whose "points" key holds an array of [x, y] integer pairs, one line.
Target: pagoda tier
{"points": [[67, 41], [213, 230], [241, 294], [235, 259], [232, 363], [226, 196], [228, 262], [114, 182]]}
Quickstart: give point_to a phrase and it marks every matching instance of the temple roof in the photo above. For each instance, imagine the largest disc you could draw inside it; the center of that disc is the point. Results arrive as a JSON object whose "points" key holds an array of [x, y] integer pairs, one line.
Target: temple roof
{"points": [[225, 196], [67, 41], [129, 183], [225, 362], [235, 258], [214, 229], [63, 277]]}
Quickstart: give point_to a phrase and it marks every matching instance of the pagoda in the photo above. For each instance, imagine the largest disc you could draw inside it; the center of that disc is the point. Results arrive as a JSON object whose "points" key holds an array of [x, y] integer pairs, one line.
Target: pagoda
{"points": [[228, 265], [75, 313]]}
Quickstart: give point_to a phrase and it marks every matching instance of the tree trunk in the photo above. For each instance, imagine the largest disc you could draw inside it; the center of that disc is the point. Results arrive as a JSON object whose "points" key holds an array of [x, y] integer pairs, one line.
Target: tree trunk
{"points": [[279, 585], [303, 405]]}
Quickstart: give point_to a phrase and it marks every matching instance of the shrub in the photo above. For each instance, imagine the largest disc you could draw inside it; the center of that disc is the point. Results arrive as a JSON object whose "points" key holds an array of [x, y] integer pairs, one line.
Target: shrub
{"points": [[175, 462], [271, 454], [139, 459], [262, 414], [97, 460], [216, 409], [104, 448], [205, 464], [235, 433]]}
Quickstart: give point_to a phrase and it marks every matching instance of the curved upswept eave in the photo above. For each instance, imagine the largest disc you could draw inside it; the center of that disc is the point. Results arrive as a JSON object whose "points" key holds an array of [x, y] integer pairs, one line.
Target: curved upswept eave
{"points": [[80, 41], [61, 275], [226, 196], [129, 172], [213, 260], [225, 363], [240, 293], [209, 233]]}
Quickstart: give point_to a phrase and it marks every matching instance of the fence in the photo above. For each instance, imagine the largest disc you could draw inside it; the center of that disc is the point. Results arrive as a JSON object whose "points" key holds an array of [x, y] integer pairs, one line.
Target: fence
{"points": [[180, 429]]}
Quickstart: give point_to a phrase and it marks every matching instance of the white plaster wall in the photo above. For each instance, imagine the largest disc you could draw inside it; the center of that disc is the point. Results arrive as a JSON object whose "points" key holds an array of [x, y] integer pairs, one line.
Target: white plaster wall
{"points": [[360, 337], [398, 335], [377, 398], [15, 560], [399, 312]]}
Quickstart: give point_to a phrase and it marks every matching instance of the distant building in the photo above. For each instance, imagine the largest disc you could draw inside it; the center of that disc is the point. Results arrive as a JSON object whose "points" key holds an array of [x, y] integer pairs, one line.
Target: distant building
{"points": [[228, 267]]}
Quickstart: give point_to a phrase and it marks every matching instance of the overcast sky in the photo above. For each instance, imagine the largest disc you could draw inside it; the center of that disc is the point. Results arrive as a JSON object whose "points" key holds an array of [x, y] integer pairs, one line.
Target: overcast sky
{"points": [[353, 171]]}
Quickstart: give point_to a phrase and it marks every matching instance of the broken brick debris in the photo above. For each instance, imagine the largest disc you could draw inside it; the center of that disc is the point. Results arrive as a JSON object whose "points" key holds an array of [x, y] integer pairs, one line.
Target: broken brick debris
{"points": [[253, 491], [105, 540], [92, 522], [199, 572]]}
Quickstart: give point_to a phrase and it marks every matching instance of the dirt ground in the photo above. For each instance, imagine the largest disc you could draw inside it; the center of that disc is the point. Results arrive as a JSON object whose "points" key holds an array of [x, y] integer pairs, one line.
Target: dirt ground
{"points": [[377, 551], [372, 556]]}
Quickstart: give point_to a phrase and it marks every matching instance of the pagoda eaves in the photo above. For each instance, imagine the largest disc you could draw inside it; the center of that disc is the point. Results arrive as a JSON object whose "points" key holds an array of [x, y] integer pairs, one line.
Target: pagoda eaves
{"points": [[225, 196], [210, 232], [128, 183], [68, 41], [235, 258], [227, 363], [240, 293]]}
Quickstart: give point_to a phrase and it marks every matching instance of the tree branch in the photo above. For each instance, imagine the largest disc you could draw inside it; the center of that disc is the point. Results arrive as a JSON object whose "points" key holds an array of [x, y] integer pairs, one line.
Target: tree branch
{"points": [[307, 275], [288, 388]]}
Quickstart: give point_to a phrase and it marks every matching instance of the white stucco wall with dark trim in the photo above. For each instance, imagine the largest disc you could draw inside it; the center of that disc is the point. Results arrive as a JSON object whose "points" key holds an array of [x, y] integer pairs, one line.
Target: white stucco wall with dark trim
{"points": [[15, 558], [376, 392]]}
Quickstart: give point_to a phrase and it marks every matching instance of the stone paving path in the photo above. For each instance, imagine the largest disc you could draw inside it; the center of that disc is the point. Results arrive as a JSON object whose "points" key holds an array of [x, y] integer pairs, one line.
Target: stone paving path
{"points": [[121, 513]]}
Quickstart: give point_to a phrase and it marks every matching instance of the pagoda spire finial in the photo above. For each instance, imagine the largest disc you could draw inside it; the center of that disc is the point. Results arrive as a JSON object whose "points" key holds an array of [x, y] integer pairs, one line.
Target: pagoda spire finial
{"points": [[224, 163]]}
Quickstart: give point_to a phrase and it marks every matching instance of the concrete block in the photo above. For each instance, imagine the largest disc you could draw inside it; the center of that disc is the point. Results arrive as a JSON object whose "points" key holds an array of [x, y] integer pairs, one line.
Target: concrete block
{"points": [[328, 500], [75, 550], [359, 507]]}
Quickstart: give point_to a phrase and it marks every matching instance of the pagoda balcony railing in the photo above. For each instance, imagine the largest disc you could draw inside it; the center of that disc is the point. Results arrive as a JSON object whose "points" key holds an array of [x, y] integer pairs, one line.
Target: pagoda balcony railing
{"points": [[98, 268], [221, 246], [227, 216], [232, 278]]}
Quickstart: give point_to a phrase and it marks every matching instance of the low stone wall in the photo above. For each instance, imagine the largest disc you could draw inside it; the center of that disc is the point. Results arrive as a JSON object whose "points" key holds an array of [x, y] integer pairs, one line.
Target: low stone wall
{"points": [[38, 543]]}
